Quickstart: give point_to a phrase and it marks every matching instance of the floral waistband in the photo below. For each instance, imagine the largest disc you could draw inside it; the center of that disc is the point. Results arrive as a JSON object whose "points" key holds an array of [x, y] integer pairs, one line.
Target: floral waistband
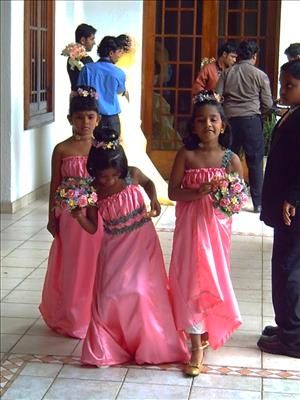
{"points": [[126, 223]]}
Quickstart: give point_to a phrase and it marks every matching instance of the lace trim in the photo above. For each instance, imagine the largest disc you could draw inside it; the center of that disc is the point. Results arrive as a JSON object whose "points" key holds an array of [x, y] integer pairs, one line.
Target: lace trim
{"points": [[125, 229], [226, 158], [125, 218]]}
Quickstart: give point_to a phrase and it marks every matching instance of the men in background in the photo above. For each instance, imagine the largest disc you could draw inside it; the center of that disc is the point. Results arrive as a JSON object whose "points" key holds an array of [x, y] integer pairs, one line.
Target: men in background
{"points": [[108, 80], [247, 95], [209, 74], [84, 35], [293, 51]]}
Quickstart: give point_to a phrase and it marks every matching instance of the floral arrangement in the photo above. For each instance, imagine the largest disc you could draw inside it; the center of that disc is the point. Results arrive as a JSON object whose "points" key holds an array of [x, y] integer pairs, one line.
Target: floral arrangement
{"points": [[87, 93], [75, 52], [229, 193], [75, 192], [207, 95]]}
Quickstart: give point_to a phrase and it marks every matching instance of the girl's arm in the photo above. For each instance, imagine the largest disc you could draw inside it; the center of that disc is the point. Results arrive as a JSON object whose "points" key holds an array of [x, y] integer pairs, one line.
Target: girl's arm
{"points": [[149, 187], [52, 225], [176, 192], [236, 165], [88, 222]]}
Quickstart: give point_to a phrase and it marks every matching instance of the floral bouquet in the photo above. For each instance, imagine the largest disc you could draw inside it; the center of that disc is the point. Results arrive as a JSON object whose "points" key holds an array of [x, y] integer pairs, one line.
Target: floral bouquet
{"points": [[75, 192], [229, 193], [75, 52]]}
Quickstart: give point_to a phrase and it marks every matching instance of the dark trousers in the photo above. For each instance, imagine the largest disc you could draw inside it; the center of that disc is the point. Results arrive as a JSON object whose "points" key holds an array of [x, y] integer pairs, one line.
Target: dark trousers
{"points": [[247, 133], [111, 122], [286, 285]]}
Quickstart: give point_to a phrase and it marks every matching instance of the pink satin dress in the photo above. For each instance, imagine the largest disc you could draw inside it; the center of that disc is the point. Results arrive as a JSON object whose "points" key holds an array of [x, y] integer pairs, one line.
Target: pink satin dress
{"points": [[132, 319], [200, 283], [68, 287]]}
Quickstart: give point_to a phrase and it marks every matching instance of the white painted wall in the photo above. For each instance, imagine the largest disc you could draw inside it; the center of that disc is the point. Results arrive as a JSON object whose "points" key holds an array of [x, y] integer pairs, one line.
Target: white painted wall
{"points": [[289, 27]]}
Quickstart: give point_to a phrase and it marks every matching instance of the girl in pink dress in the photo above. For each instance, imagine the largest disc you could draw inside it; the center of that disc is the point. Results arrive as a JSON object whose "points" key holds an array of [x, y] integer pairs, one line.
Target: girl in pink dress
{"points": [[131, 313], [68, 286], [201, 289]]}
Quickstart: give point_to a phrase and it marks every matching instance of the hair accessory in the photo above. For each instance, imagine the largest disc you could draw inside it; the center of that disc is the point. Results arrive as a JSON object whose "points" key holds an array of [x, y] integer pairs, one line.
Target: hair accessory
{"points": [[87, 93], [207, 95], [112, 145], [206, 60]]}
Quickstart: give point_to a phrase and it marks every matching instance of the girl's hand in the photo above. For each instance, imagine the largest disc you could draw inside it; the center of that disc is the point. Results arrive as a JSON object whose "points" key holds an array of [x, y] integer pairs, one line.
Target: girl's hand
{"points": [[155, 208], [77, 213], [53, 226], [206, 188], [288, 211]]}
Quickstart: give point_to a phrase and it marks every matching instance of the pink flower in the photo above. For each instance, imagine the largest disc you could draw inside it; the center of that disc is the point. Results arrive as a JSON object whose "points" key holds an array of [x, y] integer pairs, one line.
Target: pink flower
{"points": [[224, 202], [70, 194], [82, 201], [94, 197], [237, 187], [223, 183]]}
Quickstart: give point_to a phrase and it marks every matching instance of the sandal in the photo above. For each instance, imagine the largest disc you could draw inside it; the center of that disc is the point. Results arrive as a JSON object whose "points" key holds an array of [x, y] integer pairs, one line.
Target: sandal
{"points": [[195, 369]]}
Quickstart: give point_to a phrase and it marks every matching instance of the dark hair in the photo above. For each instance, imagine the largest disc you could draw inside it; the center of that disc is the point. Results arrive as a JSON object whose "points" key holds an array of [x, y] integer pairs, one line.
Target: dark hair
{"points": [[206, 98], [228, 47], [247, 49], [84, 30], [101, 158], [79, 102], [292, 68], [293, 50], [108, 44], [124, 41]]}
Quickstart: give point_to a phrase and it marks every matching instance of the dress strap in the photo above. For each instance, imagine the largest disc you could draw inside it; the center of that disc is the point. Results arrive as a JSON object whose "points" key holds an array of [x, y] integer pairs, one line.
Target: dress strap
{"points": [[226, 158], [128, 179]]}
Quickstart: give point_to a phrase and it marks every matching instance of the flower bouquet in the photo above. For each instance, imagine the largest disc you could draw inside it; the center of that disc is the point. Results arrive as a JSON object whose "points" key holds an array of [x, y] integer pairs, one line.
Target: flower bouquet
{"points": [[229, 193], [75, 192], [75, 52]]}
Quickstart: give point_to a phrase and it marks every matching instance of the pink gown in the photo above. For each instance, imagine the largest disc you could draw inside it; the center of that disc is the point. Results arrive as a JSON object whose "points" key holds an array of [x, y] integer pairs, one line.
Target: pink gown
{"points": [[68, 287], [131, 313], [200, 281]]}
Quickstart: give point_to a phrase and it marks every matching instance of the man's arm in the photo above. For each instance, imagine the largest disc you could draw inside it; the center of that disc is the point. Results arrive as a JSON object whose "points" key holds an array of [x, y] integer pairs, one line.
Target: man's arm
{"points": [[201, 81], [266, 100]]}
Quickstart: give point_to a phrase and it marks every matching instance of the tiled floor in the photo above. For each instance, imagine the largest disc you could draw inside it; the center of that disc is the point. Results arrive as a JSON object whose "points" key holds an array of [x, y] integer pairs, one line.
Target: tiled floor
{"points": [[39, 364]]}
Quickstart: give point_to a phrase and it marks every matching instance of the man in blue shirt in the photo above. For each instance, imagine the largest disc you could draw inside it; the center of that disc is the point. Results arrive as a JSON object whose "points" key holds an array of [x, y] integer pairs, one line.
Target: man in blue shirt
{"points": [[108, 80]]}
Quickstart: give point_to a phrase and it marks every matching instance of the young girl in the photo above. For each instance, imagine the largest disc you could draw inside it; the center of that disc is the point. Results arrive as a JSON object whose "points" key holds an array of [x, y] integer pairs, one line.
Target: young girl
{"points": [[131, 312], [202, 293], [281, 210], [68, 287]]}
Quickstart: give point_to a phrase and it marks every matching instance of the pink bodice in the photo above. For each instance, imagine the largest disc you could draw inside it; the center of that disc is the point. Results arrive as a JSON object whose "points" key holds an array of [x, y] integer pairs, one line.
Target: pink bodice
{"points": [[74, 166], [194, 177]]}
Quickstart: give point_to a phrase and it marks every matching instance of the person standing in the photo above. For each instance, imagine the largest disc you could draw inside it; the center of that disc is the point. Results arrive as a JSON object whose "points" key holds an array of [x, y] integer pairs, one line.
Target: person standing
{"points": [[84, 35], [281, 210], [247, 95], [108, 80], [209, 74], [293, 52]]}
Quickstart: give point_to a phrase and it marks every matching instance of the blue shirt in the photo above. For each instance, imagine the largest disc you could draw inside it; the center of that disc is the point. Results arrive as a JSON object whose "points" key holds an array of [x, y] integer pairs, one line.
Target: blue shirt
{"points": [[108, 80]]}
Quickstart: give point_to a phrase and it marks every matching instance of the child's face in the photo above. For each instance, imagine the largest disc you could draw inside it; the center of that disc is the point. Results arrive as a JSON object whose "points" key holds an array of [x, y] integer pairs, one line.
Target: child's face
{"points": [[84, 122], [289, 89], [107, 178], [207, 124]]}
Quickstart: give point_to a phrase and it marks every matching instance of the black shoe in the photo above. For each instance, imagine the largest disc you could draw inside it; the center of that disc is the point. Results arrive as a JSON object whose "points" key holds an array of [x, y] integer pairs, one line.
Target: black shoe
{"points": [[273, 345], [270, 330], [257, 209]]}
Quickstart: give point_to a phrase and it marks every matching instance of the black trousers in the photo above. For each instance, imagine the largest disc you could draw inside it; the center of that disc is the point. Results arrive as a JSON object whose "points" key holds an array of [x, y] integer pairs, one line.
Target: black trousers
{"points": [[286, 285], [111, 122], [247, 134]]}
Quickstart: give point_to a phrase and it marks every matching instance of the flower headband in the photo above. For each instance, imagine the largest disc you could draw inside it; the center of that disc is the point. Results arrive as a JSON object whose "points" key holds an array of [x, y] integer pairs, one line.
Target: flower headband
{"points": [[87, 93], [207, 95], [111, 145]]}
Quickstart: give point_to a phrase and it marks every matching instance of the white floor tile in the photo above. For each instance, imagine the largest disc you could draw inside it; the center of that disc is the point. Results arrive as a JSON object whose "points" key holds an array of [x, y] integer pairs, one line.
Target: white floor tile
{"points": [[223, 394], [138, 391], [15, 326], [45, 345], [76, 389], [114, 374], [19, 310], [41, 369], [28, 388], [8, 341], [23, 296], [233, 356], [228, 382], [157, 377]]}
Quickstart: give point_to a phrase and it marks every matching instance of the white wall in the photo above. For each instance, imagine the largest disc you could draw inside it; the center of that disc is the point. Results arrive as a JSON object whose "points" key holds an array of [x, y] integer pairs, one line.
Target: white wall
{"points": [[289, 27]]}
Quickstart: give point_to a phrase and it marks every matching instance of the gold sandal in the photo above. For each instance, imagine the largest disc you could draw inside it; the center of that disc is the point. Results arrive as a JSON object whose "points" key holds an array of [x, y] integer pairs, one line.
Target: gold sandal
{"points": [[195, 369]]}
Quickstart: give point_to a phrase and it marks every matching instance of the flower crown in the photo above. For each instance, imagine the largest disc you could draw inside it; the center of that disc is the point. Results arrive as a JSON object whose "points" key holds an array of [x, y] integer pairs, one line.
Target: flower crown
{"points": [[207, 95], [111, 145], [87, 93]]}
